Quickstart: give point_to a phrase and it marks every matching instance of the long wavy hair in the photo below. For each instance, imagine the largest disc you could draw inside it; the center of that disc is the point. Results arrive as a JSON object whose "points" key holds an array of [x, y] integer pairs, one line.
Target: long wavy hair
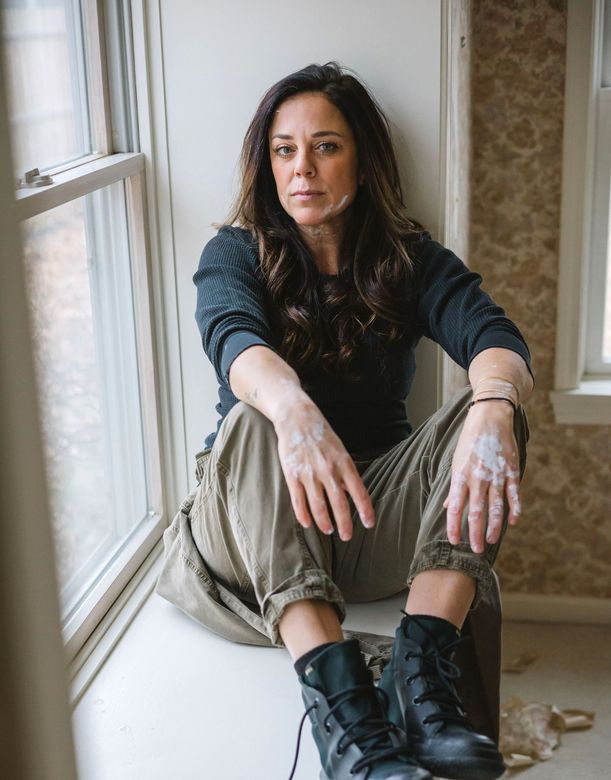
{"points": [[322, 321]]}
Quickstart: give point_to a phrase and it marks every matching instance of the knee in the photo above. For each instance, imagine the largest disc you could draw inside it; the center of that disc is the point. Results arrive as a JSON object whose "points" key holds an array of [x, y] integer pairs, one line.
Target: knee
{"points": [[244, 423], [244, 415]]}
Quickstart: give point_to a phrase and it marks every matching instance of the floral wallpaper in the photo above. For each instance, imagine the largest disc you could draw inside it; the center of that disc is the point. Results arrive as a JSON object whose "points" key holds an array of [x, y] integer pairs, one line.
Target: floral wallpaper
{"points": [[563, 542]]}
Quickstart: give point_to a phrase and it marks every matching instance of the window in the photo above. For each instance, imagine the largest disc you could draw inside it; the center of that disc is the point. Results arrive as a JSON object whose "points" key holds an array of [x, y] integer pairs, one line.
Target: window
{"points": [[598, 343], [80, 202], [583, 347]]}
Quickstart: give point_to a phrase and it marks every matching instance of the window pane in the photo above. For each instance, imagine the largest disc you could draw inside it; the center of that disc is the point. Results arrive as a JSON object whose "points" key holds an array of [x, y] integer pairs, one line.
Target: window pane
{"points": [[79, 287], [46, 82]]}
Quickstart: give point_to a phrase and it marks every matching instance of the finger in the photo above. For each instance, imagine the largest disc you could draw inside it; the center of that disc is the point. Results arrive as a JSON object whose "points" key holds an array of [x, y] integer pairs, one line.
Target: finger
{"points": [[478, 491], [298, 500], [353, 484], [318, 506], [513, 497], [340, 507], [496, 507], [456, 502]]}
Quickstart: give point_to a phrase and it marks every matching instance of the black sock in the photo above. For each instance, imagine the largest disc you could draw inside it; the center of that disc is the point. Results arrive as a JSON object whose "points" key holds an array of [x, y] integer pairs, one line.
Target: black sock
{"points": [[425, 626], [303, 660]]}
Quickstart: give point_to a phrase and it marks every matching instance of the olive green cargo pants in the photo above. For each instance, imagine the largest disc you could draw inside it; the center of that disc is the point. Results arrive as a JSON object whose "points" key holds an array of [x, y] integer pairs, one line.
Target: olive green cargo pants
{"points": [[236, 555]]}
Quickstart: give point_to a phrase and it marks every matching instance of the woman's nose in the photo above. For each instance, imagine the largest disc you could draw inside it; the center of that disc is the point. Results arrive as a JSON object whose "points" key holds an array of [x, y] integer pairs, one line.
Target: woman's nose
{"points": [[304, 165]]}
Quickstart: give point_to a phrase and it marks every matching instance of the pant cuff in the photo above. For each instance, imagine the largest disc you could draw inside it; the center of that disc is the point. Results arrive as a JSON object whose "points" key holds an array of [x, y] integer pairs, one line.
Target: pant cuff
{"points": [[308, 584], [440, 554]]}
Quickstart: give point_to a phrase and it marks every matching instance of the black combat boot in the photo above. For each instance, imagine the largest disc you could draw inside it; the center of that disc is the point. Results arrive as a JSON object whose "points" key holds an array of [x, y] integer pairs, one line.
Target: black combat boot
{"points": [[355, 739], [423, 701]]}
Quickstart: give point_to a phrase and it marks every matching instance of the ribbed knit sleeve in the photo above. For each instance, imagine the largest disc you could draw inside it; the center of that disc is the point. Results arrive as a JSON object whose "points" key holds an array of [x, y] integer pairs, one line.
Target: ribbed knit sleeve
{"points": [[230, 311], [456, 313]]}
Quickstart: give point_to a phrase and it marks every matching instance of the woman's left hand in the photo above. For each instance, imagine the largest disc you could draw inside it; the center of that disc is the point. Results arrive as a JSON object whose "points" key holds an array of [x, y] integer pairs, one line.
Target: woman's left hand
{"points": [[485, 468]]}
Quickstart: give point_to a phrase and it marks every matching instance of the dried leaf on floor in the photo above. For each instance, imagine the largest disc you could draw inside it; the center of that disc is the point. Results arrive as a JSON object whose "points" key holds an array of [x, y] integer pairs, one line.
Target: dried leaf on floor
{"points": [[526, 729], [530, 731]]}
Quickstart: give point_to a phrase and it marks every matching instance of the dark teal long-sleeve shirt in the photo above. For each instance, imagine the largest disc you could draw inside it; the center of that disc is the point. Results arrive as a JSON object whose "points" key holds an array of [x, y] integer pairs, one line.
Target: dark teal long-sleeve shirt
{"points": [[451, 309]]}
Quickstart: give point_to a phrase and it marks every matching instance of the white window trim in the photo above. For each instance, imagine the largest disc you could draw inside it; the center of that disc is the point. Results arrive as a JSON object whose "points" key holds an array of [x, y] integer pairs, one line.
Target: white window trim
{"points": [[578, 397], [155, 234], [153, 139]]}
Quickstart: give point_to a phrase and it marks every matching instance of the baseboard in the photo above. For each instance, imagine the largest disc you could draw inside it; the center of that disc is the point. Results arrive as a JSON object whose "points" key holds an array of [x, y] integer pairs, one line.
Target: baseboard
{"points": [[556, 609]]}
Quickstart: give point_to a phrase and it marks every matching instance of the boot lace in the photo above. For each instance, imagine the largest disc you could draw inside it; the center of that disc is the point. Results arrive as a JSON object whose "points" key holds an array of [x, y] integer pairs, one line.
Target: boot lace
{"points": [[440, 673], [374, 726]]}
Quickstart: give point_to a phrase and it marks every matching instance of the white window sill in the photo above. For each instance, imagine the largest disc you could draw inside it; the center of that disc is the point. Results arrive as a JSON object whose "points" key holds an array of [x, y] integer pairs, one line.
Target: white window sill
{"points": [[588, 404], [94, 653]]}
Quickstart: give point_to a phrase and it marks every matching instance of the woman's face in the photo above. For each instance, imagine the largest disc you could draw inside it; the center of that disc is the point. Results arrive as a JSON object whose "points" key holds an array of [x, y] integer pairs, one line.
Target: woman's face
{"points": [[314, 161]]}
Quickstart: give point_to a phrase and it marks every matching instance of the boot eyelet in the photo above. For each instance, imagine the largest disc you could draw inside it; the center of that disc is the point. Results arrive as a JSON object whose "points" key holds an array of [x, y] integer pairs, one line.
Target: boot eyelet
{"points": [[327, 727], [409, 680], [416, 701], [409, 656], [316, 702], [339, 751]]}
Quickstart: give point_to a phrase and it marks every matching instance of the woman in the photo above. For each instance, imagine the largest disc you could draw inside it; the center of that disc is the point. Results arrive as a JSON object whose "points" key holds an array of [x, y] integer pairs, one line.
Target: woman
{"points": [[314, 489]]}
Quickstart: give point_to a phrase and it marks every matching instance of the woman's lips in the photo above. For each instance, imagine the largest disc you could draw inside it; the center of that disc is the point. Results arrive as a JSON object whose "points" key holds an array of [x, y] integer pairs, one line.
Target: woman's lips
{"points": [[305, 196]]}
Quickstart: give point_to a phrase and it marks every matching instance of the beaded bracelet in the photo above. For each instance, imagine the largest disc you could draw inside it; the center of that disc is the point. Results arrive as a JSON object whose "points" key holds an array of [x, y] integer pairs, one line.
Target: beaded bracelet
{"points": [[495, 398]]}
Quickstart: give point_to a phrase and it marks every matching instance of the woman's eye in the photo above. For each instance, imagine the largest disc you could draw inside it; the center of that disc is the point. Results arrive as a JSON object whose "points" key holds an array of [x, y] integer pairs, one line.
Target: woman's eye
{"points": [[327, 146], [283, 150]]}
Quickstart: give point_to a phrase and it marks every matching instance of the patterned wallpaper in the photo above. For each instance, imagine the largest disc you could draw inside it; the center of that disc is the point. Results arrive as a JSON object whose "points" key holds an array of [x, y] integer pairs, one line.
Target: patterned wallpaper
{"points": [[563, 543]]}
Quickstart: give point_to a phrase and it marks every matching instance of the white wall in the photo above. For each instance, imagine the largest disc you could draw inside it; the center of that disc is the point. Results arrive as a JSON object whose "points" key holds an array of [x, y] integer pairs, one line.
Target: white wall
{"points": [[218, 61]]}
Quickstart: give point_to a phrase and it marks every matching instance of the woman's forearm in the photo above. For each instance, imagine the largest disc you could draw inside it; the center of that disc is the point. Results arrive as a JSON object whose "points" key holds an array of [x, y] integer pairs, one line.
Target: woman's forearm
{"points": [[501, 364], [261, 378]]}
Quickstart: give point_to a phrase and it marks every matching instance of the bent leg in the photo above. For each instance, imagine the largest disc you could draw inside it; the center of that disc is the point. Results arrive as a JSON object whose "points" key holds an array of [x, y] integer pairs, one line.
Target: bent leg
{"points": [[408, 486], [245, 528]]}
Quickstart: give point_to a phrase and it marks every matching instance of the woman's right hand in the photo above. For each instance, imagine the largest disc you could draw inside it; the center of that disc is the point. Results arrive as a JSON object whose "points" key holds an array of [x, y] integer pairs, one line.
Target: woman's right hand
{"points": [[314, 461]]}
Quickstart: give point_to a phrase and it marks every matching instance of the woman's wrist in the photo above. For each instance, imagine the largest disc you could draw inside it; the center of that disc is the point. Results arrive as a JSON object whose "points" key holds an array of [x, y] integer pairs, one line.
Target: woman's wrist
{"points": [[502, 406], [496, 387]]}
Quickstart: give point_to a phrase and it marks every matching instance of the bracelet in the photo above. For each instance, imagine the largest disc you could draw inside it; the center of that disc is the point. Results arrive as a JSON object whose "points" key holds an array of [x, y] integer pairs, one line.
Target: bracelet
{"points": [[494, 398]]}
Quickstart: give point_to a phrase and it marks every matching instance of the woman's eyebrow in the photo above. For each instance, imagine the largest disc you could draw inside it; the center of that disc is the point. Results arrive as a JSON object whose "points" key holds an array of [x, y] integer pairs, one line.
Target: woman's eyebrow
{"points": [[317, 134]]}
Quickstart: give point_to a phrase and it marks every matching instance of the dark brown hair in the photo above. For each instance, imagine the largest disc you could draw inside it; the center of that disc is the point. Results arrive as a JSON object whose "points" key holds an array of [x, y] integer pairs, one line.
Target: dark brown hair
{"points": [[322, 320]]}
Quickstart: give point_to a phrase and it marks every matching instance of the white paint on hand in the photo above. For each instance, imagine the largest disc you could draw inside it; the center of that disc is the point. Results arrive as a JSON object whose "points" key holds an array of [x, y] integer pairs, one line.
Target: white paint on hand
{"points": [[512, 489], [491, 465], [297, 459], [293, 461]]}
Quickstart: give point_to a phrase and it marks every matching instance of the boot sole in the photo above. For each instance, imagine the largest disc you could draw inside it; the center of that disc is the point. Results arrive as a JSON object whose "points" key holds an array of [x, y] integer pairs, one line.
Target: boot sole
{"points": [[324, 776], [481, 769]]}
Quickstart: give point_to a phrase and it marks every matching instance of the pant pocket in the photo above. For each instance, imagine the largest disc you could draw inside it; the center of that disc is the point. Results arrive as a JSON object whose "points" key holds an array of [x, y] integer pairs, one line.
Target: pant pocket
{"points": [[214, 537]]}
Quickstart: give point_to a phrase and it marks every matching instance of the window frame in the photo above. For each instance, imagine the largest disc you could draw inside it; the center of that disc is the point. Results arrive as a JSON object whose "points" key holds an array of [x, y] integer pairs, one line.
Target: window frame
{"points": [[580, 396], [74, 179]]}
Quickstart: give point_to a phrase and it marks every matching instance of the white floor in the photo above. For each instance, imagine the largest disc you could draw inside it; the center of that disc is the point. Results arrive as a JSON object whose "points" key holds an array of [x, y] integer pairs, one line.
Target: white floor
{"points": [[176, 702]]}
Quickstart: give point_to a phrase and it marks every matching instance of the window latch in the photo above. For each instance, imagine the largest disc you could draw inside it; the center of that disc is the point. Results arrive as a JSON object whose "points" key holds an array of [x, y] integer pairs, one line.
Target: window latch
{"points": [[34, 178]]}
